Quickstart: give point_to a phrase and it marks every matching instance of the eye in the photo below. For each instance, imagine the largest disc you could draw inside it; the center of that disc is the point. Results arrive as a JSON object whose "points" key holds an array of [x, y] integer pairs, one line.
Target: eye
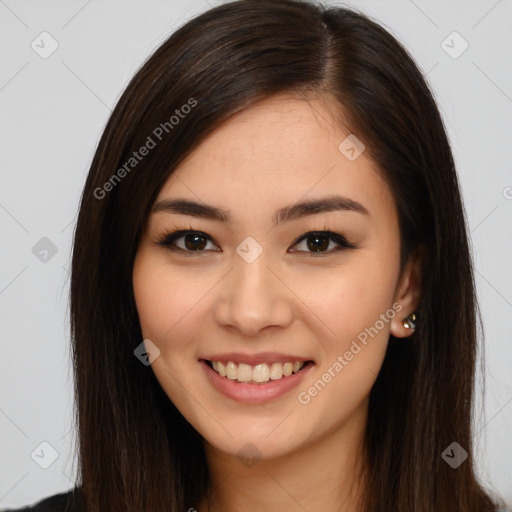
{"points": [[193, 241], [188, 242], [319, 241]]}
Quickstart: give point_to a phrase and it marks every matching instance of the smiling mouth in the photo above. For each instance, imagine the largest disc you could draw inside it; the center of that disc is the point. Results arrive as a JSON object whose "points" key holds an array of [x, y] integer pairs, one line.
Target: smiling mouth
{"points": [[256, 374]]}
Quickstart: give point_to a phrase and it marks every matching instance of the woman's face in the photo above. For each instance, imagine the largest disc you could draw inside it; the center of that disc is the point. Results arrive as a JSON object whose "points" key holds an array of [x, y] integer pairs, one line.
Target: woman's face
{"points": [[252, 295]]}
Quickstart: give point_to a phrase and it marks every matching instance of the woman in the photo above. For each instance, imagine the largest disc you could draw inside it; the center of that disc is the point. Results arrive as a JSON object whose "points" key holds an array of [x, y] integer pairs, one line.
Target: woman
{"points": [[272, 297]]}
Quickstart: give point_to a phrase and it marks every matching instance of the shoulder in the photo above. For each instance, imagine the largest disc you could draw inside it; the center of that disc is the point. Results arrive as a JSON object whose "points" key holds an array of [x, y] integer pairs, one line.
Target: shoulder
{"points": [[70, 501]]}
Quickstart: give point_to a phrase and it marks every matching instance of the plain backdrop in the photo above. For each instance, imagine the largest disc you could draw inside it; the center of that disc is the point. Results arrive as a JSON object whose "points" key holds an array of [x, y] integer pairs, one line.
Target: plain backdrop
{"points": [[53, 111]]}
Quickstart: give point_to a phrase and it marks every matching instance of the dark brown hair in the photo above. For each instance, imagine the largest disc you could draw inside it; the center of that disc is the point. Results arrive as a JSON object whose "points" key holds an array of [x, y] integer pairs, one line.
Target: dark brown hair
{"points": [[136, 451]]}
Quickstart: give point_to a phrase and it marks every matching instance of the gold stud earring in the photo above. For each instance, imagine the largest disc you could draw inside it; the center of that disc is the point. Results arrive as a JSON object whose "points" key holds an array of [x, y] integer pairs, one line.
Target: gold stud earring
{"points": [[410, 322]]}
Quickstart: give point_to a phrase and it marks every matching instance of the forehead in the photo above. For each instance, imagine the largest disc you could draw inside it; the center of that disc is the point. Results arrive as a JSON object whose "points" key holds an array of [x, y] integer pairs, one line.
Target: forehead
{"points": [[280, 151]]}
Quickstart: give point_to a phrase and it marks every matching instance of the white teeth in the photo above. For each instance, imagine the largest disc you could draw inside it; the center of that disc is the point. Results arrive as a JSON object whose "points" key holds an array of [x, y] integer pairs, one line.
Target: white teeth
{"points": [[231, 371], [276, 371], [244, 372], [287, 369], [258, 373]]}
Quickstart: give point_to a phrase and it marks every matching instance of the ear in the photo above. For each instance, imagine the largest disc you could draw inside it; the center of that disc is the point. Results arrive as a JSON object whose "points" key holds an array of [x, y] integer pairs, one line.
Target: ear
{"points": [[407, 294]]}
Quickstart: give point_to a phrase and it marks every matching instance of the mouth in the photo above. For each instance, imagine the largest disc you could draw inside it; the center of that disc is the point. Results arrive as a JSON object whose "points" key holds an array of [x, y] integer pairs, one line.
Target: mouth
{"points": [[258, 374], [259, 382]]}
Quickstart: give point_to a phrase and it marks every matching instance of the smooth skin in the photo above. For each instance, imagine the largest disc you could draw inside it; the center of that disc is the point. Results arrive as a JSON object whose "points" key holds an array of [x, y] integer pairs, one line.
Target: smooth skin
{"points": [[293, 298]]}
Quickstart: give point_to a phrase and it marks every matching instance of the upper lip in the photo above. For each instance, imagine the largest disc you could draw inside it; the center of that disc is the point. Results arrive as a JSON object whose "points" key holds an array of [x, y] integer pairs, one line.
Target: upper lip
{"points": [[253, 359]]}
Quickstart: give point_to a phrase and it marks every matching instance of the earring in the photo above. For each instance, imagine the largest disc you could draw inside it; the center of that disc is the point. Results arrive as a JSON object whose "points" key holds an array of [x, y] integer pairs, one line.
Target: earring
{"points": [[410, 322]]}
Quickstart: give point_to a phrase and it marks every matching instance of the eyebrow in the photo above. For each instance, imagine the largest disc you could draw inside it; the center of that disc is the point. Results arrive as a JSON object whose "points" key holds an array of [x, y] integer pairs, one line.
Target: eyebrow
{"points": [[286, 214]]}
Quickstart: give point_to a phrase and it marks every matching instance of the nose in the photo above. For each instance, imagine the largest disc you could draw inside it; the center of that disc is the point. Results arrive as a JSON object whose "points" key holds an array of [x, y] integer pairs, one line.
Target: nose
{"points": [[253, 298]]}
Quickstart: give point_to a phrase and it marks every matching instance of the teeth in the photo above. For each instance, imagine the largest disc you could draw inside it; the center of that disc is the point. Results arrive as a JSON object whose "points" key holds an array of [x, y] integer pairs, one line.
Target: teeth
{"points": [[258, 373], [244, 372], [276, 371], [231, 370]]}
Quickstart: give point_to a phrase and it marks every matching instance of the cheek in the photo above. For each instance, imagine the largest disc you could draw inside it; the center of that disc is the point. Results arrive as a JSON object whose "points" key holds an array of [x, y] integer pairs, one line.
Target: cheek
{"points": [[356, 310], [164, 299], [154, 305], [355, 306], [350, 300], [165, 305]]}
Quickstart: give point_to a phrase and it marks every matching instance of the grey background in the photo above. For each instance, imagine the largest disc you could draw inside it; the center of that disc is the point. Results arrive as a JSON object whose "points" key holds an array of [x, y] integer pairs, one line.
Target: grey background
{"points": [[52, 114]]}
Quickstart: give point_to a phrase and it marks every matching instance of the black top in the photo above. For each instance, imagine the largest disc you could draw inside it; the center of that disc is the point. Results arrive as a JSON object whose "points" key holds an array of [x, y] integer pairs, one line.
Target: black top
{"points": [[71, 502], [65, 502]]}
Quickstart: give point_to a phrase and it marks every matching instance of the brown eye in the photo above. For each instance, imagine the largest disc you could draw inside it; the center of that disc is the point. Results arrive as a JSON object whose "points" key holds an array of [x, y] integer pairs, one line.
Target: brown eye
{"points": [[193, 241], [314, 243], [319, 242]]}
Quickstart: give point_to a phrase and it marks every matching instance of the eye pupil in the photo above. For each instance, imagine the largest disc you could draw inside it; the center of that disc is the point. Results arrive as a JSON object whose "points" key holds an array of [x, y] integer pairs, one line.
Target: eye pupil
{"points": [[316, 245], [191, 246]]}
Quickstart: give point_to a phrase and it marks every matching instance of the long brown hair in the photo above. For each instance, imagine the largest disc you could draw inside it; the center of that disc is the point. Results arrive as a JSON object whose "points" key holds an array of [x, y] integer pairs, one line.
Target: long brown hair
{"points": [[136, 451]]}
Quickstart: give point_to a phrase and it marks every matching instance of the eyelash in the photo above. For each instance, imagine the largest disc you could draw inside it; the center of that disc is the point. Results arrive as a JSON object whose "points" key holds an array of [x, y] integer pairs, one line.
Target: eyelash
{"points": [[168, 241]]}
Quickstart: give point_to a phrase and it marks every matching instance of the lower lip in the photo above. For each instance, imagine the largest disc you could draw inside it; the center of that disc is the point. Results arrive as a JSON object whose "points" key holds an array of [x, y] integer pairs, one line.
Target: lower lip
{"points": [[254, 393]]}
